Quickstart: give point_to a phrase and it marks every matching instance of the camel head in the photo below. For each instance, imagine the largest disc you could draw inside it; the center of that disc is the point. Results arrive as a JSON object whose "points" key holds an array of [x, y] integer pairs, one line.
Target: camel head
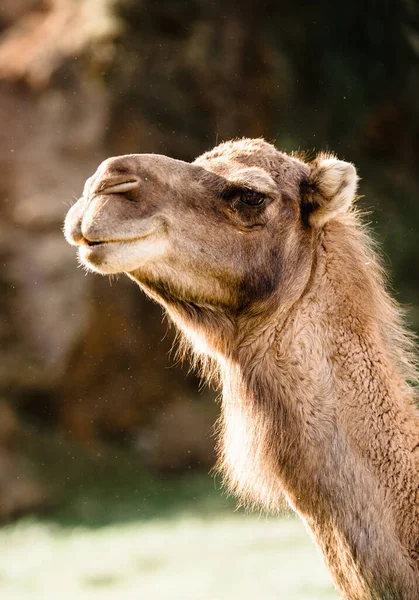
{"points": [[229, 230]]}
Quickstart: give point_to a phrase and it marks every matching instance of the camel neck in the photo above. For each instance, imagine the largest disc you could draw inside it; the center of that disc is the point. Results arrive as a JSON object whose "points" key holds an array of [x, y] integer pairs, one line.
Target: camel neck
{"points": [[317, 408]]}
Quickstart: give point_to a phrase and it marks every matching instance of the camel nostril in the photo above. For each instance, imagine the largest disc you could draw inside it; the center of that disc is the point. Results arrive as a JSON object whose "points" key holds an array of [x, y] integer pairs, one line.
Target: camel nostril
{"points": [[116, 185]]}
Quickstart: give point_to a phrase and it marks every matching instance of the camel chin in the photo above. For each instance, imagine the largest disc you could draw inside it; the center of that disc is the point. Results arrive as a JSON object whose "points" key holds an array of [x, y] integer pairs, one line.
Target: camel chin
{"points": [[123, 256]]}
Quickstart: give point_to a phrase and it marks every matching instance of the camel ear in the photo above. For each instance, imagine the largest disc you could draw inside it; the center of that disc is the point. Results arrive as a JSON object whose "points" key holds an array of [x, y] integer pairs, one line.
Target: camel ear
{"points": [[329, 190]]}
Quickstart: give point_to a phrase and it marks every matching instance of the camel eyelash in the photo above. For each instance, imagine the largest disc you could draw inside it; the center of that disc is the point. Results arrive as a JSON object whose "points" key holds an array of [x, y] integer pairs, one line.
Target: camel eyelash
{"points": [[244, 195], [230, 192]]}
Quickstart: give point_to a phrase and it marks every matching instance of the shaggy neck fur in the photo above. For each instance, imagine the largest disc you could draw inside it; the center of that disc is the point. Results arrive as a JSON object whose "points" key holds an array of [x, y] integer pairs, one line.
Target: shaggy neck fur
{"points": [[315, 407]]}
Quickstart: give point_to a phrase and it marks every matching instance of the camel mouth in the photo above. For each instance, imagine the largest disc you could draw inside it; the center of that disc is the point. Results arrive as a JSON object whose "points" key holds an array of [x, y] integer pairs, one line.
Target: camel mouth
{"points": [[148, 230], [121, 255], [94, 243]]}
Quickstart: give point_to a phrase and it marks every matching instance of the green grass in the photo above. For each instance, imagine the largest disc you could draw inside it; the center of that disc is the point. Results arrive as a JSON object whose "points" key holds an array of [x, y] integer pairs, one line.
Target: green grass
{"points": [[117, 533]]}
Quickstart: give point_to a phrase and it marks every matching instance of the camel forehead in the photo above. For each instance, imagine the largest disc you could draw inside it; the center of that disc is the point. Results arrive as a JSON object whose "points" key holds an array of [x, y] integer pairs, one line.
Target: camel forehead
{"points": [[249, 152], [229, 156], [245, 147]]}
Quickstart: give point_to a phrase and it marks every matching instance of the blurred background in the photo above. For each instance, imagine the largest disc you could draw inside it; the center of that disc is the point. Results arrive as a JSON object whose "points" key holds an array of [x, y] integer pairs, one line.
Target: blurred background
{"points": [[106, 444]]}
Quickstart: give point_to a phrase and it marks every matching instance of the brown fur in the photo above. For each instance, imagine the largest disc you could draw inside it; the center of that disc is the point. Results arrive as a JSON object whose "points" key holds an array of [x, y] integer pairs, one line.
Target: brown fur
{"points": [[286, 305]]}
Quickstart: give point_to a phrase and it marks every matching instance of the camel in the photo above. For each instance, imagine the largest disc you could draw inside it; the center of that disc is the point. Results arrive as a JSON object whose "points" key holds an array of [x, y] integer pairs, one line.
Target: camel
{"points": [[263, 262]]}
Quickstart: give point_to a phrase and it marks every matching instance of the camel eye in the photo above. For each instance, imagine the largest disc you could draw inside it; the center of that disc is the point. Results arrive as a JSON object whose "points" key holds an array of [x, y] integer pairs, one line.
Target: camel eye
{"points": [[252, 198], [245, 196]]}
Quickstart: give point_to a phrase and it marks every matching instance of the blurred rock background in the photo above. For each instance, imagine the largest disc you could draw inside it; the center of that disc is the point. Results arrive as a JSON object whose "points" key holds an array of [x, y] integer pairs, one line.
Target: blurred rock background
{"points": [[80, 80]]}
